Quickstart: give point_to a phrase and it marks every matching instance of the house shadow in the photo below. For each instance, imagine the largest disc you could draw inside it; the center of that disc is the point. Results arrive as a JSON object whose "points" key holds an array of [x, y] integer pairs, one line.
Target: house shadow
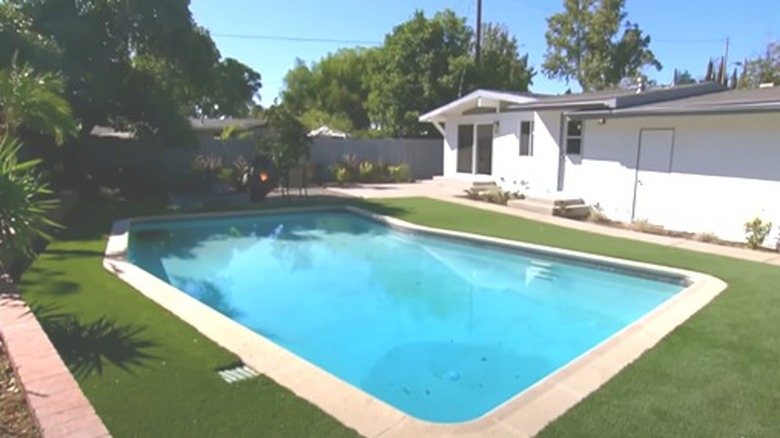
{"points": [[87, 347]]}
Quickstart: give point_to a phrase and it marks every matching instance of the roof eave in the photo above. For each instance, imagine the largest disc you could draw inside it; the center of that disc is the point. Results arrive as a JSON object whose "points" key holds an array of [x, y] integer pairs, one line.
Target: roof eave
{"points": [[659, 112]]}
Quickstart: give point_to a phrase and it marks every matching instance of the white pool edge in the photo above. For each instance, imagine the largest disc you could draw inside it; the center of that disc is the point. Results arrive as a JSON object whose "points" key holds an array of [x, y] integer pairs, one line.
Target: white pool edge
{"points": [[524, 415]]}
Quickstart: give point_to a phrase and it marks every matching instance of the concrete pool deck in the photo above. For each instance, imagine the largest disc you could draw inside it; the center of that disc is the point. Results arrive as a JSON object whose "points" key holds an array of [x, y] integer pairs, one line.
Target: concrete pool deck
{"points": [[524, 415]]}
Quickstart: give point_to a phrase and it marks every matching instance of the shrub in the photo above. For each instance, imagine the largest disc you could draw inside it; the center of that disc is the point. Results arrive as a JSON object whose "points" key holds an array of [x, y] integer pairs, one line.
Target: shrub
{"points": [[340, 173], [366, 172], [400, 173], [756, 232], [707, 237], [23, 203], [240, 171]]}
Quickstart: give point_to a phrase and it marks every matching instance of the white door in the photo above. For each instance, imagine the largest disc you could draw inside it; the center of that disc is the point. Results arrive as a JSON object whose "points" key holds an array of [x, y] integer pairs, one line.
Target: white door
{"points": [[654, 164]]}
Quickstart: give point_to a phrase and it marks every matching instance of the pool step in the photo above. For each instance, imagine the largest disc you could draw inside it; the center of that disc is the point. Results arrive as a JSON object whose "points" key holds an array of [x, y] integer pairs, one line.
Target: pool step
{"points": [[237, 374], [539, 270]]}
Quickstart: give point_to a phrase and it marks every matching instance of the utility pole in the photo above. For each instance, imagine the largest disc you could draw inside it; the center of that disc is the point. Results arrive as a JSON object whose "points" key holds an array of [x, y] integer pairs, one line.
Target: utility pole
{"points": [[478, 52]]}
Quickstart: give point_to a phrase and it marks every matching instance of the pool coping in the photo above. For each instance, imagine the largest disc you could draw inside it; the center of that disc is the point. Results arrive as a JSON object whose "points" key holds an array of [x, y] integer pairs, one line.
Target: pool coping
{"points": [[526, 414]]}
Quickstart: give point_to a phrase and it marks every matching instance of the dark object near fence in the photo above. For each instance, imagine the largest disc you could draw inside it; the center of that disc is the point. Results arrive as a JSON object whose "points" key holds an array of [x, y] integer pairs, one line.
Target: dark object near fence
{"points": [[263, 178]]}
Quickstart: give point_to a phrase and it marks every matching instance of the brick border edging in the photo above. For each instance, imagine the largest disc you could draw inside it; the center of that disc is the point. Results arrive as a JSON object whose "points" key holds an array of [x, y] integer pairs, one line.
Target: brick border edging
{"points": [[55, 398]]}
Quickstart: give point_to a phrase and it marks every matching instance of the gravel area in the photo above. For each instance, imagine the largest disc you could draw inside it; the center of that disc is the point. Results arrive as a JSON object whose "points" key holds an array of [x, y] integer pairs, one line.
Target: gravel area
{"points": [[16, 420]]}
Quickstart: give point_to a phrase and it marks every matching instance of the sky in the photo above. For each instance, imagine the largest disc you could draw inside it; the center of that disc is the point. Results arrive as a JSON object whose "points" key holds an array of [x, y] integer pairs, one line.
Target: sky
{"points": [[684, 34]]}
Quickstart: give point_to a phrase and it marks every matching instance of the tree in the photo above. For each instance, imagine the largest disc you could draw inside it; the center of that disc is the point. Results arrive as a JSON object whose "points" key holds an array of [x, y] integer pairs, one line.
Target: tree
{"points": [[127, 63], [710, 75], [683, 77], [287, 141], [583, 45], [762, 69], [426, 62], [333, 90], [34, 102], [734, 81], [501, 65]]}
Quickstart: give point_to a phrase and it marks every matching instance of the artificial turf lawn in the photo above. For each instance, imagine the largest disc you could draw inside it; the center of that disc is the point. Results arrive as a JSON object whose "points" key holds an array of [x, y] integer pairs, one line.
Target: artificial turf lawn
{"points": [[714, 376]]}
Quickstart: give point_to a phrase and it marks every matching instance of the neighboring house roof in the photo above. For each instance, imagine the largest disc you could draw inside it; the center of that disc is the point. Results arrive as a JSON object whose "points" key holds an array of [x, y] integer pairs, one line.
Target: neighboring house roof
{"points": [[214, 126], [218, 125], [326, 131], [723, 102]]}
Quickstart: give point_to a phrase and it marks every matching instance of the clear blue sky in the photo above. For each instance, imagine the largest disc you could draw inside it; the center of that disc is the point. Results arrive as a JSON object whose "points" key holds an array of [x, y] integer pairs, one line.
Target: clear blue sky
{"points": [[684, 33]]}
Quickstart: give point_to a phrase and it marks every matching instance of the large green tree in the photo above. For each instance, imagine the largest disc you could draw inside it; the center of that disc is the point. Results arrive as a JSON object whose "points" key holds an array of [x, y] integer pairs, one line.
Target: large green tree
{"points": [[423, 64], [426, 62], [761, 69], [333, 91], [138, 64], [501, 65], [584, 43]]}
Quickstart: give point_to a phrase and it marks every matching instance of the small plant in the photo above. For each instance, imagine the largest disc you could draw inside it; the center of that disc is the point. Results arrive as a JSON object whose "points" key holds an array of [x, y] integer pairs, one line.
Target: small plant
{"points": [[340, 173], [474, 194], [707, 237], [756, 232], [400, 173], [240, 172], [645, 226], [366, 171]]}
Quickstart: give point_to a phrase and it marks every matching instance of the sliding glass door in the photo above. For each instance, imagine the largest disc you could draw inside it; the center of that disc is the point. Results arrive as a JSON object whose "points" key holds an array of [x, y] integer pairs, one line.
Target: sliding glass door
{"points": [[475, 149], [465, 148], [484, 149]]}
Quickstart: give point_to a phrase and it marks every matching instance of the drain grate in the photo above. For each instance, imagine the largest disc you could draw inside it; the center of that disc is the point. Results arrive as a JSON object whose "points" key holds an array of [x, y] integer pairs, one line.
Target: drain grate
{"points": [[237, 374]]}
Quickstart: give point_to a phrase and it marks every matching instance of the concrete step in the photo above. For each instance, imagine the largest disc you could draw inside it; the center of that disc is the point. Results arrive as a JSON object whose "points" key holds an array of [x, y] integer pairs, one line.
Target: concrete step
{"points": [[574, 211]]}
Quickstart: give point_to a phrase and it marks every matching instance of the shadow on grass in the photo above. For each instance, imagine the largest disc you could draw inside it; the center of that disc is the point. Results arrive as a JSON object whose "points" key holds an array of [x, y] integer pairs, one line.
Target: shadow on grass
{"points": [[87, 347]]}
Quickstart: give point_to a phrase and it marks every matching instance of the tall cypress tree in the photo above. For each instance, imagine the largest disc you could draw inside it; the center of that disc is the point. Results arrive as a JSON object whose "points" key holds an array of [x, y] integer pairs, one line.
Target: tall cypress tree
{"points": [[710, 72]]}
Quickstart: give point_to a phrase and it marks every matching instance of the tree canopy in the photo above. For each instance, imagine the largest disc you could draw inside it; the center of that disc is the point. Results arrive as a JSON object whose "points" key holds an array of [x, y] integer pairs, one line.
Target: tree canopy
{"points": [[423, 63], [138, 64], [762, 69], [333, 91], [583, 45]]}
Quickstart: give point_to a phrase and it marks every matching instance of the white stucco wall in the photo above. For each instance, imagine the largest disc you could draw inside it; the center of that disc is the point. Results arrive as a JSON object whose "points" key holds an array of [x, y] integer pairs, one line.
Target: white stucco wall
{"points": [[725, 171], [539, 171]]}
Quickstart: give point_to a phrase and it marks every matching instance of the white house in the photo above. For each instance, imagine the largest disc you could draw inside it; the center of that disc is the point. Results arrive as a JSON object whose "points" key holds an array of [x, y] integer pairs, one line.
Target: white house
{"points": [[695, 158]]}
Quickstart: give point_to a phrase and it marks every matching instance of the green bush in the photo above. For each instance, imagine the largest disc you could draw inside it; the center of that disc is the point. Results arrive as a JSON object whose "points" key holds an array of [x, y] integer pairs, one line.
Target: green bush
{"points": [[367, 172], [400, 173], [756, 232], [350, 170]]}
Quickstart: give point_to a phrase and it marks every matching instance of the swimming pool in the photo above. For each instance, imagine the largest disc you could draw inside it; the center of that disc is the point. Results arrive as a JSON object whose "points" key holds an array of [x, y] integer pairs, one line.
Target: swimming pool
{"points": [[444, 329]]}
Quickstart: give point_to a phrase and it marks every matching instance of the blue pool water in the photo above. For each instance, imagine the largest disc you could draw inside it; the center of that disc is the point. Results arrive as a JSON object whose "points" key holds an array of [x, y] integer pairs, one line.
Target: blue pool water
{"points": [[443, 329]]}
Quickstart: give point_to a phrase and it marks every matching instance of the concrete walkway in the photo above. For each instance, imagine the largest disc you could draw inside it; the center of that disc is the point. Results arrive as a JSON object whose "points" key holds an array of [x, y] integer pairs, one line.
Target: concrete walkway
{"points": [[448, 194]]}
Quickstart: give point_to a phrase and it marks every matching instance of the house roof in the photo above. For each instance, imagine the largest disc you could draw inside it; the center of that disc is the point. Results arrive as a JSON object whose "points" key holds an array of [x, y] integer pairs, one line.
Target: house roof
{"points": [[722, 102], [218, 125], [479, 99], [618, 98], [508, 101]]}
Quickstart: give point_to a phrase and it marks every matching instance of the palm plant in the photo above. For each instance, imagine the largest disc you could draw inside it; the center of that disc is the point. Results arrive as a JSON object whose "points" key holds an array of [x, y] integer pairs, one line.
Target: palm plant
{"points": [[22, 203], [34, 101]]}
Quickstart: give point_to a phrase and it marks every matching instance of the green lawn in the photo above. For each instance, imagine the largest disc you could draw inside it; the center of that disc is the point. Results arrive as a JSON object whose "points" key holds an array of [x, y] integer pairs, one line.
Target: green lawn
{"points": [[150, 375]]}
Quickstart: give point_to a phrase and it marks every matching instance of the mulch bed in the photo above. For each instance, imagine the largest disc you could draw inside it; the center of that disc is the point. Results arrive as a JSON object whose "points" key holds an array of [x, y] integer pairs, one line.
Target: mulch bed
{"points": [[16, 420]]}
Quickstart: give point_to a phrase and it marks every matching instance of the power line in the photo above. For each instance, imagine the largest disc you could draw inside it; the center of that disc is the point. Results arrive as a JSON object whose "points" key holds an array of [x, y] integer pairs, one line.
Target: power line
{"points": [[673, 41], [294, 39]]}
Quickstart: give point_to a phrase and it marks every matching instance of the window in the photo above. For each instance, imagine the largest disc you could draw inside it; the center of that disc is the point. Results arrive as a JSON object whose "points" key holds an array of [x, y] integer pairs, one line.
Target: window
{"points": [[574, 137], [526, 139]]}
